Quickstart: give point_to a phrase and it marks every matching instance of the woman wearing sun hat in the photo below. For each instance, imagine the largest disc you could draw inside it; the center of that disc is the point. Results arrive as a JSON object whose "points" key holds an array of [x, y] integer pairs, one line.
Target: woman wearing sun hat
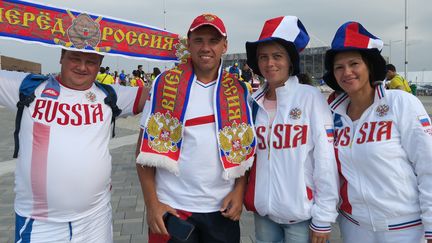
{"points": [[293, 185], [383, 141]]}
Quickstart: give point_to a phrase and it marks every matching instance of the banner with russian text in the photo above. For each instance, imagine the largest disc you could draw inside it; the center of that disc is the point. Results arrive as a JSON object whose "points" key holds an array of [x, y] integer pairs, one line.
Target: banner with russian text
{"points": [[70, 29]]}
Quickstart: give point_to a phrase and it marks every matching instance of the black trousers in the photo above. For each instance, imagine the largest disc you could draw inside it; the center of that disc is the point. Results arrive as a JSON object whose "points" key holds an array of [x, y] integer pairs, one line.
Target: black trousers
{"points": [[209, 228]]}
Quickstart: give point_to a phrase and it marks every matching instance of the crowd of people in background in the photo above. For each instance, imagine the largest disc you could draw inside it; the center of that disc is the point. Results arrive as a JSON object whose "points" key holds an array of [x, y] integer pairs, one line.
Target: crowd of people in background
{"points": [[137, 78], [253, 81]]}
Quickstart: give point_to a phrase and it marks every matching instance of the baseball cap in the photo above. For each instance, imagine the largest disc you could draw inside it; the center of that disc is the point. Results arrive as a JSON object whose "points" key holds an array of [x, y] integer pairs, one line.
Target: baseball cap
{"points": [[352, 36], [208, 19], [285, 30]]}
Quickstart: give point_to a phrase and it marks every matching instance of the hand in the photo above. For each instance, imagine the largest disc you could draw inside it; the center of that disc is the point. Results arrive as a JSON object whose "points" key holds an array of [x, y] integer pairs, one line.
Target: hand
{"points": [[155, 219], [232, 205], [319, 237]]}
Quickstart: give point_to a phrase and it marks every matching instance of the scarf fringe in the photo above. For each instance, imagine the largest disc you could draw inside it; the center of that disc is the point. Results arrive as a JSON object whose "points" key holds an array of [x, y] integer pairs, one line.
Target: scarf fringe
{"points": [[159, 161], [238, 171]]}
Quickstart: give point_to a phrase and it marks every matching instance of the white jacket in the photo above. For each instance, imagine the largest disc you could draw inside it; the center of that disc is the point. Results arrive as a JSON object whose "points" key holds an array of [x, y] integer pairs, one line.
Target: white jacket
{"points": [[295, 175], [386, 162]]}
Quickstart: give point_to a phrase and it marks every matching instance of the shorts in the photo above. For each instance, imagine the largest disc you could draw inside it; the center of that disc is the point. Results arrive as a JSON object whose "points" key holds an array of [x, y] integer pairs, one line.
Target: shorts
{"points": [[95, 228]]}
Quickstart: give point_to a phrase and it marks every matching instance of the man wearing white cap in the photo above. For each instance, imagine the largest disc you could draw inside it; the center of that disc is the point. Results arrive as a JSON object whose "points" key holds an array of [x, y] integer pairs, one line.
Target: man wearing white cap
{"points": [[63, 172], [197, 141]]}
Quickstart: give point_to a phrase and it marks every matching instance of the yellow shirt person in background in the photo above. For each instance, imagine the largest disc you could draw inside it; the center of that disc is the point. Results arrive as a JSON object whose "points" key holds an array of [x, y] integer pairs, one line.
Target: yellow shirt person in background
{"points": [[103, 77], [396, 81], [136, 81]]}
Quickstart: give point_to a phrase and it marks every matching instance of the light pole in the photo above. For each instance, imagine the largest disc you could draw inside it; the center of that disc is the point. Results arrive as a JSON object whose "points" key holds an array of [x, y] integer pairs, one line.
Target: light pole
{"points": [[423, 75], [164, 14], [117, 63], [406, 30], [390, 47]]}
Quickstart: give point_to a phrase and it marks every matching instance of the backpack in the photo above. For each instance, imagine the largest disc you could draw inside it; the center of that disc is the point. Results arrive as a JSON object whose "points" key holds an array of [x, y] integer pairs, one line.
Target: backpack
{"points": [[27, 96]]}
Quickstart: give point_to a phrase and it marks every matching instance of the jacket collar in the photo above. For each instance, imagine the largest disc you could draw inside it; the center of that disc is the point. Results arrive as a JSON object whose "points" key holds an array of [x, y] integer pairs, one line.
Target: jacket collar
{"points": [[339, 105], [290, 85]]}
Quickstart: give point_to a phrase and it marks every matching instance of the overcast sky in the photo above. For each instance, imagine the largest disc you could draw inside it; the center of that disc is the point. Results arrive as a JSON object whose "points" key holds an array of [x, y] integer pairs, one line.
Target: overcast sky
{"points": [[244, 20]]}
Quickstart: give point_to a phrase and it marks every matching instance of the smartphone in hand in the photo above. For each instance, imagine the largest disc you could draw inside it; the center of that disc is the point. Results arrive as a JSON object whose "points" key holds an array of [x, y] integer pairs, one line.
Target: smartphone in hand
{"points": [[177, 227]]}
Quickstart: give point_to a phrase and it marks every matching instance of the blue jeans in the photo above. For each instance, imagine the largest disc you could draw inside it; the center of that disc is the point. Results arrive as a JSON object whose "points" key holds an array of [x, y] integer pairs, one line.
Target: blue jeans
{"points": [[268, 231]]}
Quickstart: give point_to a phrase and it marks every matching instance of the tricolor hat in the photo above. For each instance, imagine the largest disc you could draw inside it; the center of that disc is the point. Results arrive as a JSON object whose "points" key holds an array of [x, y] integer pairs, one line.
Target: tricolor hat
{"points": [[287, 31], [208, 19], [352, 36]]}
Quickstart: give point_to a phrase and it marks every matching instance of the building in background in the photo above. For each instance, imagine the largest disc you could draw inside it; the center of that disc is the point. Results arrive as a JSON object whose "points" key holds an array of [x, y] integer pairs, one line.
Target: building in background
{"points": [[15, 64], [230, 59], [312, 62]]}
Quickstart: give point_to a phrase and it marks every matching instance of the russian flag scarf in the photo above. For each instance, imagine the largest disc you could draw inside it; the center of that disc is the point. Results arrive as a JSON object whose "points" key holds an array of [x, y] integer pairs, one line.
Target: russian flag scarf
{"points": [[162, 138]]}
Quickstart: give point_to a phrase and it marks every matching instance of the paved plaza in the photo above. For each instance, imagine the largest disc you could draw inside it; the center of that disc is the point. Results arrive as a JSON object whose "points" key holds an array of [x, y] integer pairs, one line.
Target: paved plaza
{"points": [[127, 201]]}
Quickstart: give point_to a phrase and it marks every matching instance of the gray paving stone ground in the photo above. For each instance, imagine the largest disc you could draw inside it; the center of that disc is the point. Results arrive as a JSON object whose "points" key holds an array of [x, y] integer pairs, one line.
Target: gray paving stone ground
{"points": [[129, 224]]}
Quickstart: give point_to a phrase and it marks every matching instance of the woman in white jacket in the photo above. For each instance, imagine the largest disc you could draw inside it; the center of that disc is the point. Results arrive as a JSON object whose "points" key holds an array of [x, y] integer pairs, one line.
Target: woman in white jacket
{"points": [[383, 141], [293, 184]]}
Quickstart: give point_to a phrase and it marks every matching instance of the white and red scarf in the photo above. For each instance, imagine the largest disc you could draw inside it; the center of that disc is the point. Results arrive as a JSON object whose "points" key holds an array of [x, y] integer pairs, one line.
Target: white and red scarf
{"points": [[161, 143]]}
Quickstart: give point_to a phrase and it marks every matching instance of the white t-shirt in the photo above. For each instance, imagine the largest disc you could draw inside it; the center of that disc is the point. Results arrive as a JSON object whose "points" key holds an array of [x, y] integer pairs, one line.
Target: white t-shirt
{"points": [[64, 165], [199, 186]]}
